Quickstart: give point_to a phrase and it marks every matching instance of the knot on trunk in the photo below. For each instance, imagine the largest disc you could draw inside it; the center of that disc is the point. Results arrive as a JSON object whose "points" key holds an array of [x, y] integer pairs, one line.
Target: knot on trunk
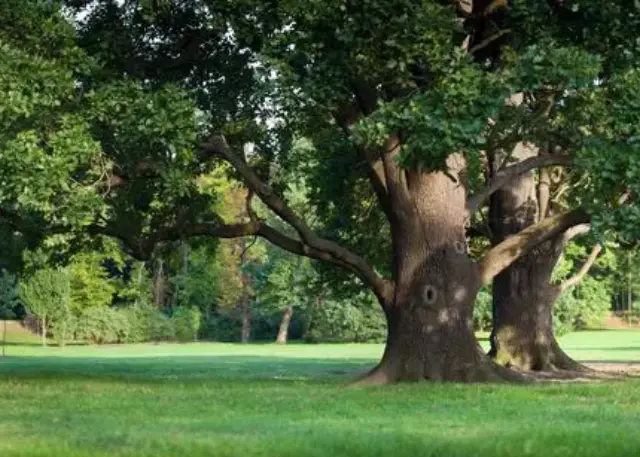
{"points": [[430, 294]]}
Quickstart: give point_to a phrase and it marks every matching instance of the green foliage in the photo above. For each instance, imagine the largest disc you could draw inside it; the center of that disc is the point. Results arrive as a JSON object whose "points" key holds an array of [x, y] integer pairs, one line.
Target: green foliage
{"points": [[102, 325], [46, 294], [135, 324], [341, 320], [200, 285], [187, 322], [90, 282], [64, 327], [483, 310], [9, 295]]}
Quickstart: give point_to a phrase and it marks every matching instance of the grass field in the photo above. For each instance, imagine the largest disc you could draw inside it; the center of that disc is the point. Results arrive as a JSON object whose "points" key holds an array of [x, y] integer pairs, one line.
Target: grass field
{"points": [[263, 400]]}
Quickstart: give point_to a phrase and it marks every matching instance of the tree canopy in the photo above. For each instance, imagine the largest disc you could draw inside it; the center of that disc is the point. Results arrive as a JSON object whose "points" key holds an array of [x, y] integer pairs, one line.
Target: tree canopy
{"points": [[398, 119]]}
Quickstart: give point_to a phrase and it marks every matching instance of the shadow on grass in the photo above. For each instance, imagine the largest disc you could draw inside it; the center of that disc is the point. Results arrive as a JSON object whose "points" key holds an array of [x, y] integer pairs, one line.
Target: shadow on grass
{"points": [[185, 368]]}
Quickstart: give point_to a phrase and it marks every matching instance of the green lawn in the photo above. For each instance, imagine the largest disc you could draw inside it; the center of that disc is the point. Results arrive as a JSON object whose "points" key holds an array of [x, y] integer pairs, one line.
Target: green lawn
{"points": [[263, 400]]}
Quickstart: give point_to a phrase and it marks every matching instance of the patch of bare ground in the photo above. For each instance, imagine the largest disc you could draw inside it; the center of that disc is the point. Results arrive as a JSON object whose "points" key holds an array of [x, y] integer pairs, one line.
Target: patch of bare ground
{"points": [[594, 371]]}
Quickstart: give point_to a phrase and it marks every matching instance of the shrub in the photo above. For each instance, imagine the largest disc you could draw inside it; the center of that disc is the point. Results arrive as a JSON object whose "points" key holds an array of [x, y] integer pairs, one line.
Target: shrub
{"points": [[341, 321], [63, 328], [187, 322], [102, 325], [585, 306], [146, 323], [483, 310]]}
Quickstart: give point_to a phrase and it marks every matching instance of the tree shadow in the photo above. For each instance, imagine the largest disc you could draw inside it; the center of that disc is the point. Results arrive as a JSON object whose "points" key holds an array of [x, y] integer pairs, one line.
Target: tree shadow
{"points": [[185, 368]]}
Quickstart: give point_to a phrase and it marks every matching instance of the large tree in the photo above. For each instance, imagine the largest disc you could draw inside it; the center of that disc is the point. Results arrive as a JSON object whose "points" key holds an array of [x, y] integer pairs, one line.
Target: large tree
{"points": [[524, 294], [399, 102]]}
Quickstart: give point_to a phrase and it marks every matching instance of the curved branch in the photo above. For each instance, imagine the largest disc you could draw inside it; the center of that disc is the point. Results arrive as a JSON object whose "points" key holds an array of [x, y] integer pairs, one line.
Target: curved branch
{"points": [[512, 172], [504, 254], [579, 276], [310, 241]]}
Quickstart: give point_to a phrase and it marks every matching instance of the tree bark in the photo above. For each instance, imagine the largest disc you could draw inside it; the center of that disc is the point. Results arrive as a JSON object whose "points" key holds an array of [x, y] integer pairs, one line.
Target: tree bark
{"points": [[283, 331], [523, 301], [430, 325], [245, 334], [245, 311], [523, 296], [43, 324]]}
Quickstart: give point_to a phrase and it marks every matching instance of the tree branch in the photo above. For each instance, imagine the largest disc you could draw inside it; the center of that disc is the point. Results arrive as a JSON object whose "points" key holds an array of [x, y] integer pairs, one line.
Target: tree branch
{"points": [[512, 172], [311, 243], [345, 118], [574, 232], [504, 254], [579, 276]]}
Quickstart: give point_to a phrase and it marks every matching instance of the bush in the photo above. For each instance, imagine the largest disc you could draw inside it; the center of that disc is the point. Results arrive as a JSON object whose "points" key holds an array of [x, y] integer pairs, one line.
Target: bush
{"points": [[161, 327], [63, 329], [187, 322], [585, 306], [483, 310], [100, 325], [146, 323], [341, 321], [222, 327]]}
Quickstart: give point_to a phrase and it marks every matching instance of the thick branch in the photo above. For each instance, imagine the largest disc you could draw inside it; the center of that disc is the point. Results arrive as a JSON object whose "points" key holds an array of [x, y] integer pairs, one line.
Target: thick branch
{"points": [[505, 253], [503, 177], [579, 276], [573, 232], [309, 239]]}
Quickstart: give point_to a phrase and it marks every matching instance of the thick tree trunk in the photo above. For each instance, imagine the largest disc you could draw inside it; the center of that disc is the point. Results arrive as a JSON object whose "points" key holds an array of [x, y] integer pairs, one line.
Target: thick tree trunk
{"points": [[523, 300], [523, 296], [430, 325], [283, 332]]}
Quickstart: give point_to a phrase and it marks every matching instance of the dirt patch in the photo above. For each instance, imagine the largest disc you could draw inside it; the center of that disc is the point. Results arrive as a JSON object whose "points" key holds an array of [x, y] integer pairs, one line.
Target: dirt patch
{"points": [[618, 321], [595, 371]]}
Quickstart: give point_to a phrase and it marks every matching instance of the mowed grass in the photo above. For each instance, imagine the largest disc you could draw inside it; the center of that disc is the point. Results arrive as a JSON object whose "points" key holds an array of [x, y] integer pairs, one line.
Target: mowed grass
{"points": [[265, 400]]}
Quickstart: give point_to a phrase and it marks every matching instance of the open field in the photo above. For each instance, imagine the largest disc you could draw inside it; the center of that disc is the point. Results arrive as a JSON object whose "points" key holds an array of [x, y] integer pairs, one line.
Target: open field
{"points": [[263, 400]]}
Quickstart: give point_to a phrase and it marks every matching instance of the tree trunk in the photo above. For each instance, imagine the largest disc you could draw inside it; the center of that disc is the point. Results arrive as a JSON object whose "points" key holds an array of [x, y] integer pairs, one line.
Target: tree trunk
{"points": [[523, 301], [430, 325], [245, 334], [523, 296], [245, 311], [283, 332], [43, 327], [159, 287]]}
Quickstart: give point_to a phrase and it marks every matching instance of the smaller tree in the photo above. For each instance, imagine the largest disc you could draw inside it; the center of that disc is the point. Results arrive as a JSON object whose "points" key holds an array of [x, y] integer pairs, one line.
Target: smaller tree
{"points": [[187, 322], [46, 295], [9, 299], [89, 282]]}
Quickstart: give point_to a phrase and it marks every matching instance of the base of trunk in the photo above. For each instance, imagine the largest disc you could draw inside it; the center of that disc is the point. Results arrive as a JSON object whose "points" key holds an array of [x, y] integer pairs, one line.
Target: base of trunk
{"points": [[444, 350], [481, 372], [538, 353]]}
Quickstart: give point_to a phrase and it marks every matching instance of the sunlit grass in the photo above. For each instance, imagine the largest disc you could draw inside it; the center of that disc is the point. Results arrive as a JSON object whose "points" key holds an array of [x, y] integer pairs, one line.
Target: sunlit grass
{"points": [[265, 400]]}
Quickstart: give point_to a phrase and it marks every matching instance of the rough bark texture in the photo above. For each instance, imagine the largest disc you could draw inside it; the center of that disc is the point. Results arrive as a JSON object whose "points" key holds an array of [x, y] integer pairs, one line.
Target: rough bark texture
{"points": [[523, 296], [283, 331], [430, 331]]}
